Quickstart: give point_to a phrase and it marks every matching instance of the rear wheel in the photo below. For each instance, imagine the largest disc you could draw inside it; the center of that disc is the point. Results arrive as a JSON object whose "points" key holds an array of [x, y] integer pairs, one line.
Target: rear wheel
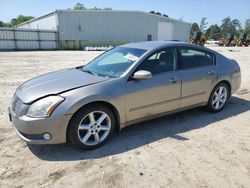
{"points": [[91, 127], [228, 44], [218, 98], [202, 42]]}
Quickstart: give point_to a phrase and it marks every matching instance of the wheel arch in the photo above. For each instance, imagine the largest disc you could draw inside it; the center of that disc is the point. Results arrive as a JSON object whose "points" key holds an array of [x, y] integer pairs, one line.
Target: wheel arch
{"points": [[105, 103], [227, 83]]}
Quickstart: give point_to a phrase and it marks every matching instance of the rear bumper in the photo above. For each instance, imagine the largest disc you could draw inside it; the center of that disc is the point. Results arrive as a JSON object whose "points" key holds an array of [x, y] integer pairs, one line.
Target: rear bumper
{"points": [[236, 82], [32, 130]]}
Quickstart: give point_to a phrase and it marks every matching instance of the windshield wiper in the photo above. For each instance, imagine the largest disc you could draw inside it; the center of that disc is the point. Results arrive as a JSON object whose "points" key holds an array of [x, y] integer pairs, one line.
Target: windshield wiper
{"points": [[88, 71]]}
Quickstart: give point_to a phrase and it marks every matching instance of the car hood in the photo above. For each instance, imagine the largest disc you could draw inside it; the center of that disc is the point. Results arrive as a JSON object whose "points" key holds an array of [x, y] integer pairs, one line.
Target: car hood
{"points": [[55, 83]]}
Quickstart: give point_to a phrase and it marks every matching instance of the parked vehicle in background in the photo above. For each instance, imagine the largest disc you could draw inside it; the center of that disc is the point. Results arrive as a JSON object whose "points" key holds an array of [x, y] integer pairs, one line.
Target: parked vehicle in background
{"points": [[242, 40], [126, 85], [197, 38], [229, 40], [212, 42]]}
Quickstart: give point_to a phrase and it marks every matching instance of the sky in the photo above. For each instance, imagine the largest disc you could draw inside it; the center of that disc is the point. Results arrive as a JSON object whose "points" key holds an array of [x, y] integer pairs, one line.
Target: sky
{"points": [[188, 10]]}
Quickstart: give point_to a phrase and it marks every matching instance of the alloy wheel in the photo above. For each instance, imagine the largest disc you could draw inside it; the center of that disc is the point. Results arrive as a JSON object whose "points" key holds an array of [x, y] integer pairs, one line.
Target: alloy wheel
{"points": [[94, 128], [219, 98]]}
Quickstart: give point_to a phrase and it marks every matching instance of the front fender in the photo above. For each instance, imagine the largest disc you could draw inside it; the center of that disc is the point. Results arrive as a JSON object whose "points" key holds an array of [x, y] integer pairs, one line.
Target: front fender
{"points": [[77, 98]]}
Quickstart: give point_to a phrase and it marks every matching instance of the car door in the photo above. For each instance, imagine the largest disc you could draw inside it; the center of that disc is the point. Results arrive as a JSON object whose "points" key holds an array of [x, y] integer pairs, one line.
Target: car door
{"points": [[198, 73], [161, 93]]}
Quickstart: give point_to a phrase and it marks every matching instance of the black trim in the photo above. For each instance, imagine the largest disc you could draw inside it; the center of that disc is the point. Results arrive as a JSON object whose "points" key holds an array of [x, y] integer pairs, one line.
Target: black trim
{"points": [[195, 49], [153, 52]]}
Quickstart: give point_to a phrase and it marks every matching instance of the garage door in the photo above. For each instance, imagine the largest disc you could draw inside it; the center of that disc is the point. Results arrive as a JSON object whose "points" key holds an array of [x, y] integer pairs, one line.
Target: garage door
{"points": [[165, 31]]}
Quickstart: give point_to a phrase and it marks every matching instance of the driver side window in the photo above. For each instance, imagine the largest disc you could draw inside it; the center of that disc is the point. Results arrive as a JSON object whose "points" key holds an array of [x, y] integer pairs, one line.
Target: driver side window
{"points": [[160, 62]]}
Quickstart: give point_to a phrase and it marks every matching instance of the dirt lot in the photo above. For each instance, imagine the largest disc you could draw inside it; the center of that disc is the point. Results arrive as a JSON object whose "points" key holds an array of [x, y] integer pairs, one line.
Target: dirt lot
{"points": [[189, 149]]}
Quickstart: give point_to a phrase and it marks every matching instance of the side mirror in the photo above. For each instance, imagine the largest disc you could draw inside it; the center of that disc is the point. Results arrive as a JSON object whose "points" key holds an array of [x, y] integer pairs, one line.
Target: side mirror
{"points": [[142, 75]]}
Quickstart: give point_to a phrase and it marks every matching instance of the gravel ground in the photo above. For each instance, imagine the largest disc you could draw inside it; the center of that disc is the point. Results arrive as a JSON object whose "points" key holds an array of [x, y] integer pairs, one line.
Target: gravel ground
{"points": [[188, 149]]}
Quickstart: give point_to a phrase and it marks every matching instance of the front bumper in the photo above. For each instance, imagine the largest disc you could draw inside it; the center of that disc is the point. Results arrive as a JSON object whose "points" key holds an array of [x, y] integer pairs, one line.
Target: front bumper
{"points": [[31, 130]]}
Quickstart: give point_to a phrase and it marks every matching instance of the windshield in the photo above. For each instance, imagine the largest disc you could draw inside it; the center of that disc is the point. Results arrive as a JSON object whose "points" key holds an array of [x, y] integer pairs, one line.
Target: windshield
{"points": [[114, 63]]}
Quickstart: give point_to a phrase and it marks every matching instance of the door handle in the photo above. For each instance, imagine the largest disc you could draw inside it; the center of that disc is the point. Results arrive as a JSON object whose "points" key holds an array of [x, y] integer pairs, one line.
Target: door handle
{"points": [[173, 80], [211, 73]]}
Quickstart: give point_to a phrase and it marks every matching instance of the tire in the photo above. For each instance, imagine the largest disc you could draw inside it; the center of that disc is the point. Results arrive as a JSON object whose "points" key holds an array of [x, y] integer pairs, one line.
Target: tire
{"points": [[202, 43], [85, 132], [228, 44], [218, 98]]}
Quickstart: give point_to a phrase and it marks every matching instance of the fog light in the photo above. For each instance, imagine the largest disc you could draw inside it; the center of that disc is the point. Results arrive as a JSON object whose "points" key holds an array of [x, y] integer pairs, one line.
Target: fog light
{"points": [[47, 136]]}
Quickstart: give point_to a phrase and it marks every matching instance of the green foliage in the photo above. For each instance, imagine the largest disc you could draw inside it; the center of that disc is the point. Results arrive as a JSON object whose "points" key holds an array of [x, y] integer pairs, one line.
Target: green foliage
{"points": [[2, 24], [194, 28], [95, 8], [247, 27], [213, 32], [203, 24], [20, 19], [236, 24], [79, 6], [230, 26]]}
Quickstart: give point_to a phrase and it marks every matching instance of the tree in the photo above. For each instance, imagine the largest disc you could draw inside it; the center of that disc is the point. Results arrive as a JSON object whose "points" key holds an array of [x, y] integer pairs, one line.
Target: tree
{"points": [[236, 24], [194, 28], [20, 19], [79, 6], [227, 26], [247, 27], [230, 26], [96, 8], [2, 24], [203, 24], [213, 32], [107, 8]]}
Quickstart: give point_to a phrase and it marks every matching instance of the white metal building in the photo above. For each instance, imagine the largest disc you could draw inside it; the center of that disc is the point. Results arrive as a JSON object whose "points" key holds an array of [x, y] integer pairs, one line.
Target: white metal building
{"points": [[77, 29]]}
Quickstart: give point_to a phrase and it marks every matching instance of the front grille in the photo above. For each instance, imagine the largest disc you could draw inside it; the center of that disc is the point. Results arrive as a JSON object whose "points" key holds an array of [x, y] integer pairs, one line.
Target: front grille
{"points": [[16, 104]]}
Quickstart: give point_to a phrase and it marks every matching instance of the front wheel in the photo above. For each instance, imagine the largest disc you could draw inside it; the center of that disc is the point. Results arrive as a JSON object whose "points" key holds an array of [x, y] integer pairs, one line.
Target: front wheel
{"points": [[91, 127], [218, 98]]}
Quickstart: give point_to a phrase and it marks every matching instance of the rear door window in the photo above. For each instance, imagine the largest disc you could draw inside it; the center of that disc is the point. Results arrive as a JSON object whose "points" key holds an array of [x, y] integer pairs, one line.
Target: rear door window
{"points": [[192, 58]]}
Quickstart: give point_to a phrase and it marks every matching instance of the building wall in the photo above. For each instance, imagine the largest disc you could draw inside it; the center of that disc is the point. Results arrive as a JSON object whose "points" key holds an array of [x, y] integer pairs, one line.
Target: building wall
{"points": [[81, 28], [106, 26], [44, 22], [27, 39], [181, 31], [77, 29]]}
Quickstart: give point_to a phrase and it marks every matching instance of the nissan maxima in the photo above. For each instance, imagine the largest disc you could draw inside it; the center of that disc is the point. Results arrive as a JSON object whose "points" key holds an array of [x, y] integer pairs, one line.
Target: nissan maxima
{"points": [[123, 86]]}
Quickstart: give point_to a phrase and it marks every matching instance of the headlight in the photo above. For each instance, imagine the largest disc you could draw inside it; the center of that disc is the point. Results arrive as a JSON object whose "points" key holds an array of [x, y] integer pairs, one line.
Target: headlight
{"points": [[44, 107]]}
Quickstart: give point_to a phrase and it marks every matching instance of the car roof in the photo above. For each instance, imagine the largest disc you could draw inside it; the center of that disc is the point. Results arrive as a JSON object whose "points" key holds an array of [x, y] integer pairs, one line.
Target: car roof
{"points": [[150, 45]]}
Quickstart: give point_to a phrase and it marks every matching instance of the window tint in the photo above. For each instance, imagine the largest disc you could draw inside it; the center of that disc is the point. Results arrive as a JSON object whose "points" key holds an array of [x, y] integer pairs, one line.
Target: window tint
{"points": [[159, 62], [190, 58]]}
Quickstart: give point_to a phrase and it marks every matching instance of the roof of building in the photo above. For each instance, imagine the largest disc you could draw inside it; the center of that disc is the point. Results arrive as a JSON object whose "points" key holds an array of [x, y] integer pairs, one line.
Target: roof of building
{"points": [[117, 11]]}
